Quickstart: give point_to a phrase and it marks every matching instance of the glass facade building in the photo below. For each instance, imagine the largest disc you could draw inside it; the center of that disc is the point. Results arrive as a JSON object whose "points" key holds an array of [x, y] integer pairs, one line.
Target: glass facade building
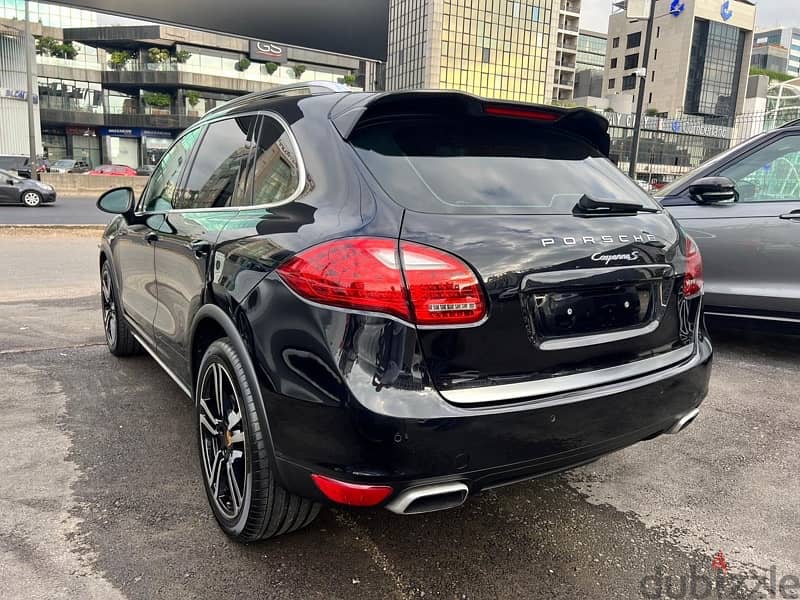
{"points": [[505, 49], [591, 50], [49, 15], [714, 68], [787, 37]]}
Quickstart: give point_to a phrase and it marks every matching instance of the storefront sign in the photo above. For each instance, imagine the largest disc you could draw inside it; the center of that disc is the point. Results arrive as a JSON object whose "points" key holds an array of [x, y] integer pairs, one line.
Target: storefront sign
{"points": [[135, 132], [19, 95], [684, 126], [84, 131], [267, 52]]}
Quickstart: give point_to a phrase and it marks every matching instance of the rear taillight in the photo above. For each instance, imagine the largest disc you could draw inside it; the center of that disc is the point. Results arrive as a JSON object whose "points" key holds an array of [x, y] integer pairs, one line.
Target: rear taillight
{"points": [[693, 277], [419, 284]]}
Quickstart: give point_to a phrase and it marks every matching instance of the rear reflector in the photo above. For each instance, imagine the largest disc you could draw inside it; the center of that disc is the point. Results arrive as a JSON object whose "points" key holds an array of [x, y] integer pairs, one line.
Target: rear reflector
{"points": [[693, 277], [419, 284], [352, 494], [521, 113]]}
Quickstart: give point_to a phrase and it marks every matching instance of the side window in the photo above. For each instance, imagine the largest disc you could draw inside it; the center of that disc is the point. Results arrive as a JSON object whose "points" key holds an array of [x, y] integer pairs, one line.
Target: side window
{"points": [[161, 190], [275, 171], [770, 174], [218, 165]]}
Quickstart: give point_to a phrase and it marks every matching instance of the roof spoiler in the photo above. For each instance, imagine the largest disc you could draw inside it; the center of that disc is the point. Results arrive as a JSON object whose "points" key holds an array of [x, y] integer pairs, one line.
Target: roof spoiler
{"points": [[359, 108]]}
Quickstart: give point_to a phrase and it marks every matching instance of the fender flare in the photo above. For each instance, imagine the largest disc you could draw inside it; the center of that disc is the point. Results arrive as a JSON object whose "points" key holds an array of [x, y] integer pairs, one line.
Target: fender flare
{"points": [[215, 313]]}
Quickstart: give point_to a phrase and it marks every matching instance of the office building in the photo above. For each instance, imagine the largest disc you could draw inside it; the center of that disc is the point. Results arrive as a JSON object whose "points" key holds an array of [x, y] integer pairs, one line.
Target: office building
{"points": [[522, 50], [14, 137], [789, 38], [770, 57], [121, 94], [699, 61], [592, 48]]}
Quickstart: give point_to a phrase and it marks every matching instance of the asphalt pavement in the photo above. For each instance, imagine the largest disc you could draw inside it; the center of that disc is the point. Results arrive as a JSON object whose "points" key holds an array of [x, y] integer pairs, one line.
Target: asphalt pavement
{"points": [[67, 210], [100, 493]]}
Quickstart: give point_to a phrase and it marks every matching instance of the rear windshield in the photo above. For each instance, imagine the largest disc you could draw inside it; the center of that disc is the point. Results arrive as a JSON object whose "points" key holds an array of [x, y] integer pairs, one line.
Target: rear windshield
{"points": [[489, 166]]}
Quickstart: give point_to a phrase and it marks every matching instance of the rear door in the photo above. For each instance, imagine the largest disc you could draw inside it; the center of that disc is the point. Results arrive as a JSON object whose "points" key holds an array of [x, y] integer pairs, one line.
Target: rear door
{"points": [[751, 248], [210, 195], [575, 298]]}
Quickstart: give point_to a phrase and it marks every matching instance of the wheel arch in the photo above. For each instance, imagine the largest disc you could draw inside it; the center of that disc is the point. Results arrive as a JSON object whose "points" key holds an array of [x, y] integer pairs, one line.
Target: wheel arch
{"points": [[210, 324]]}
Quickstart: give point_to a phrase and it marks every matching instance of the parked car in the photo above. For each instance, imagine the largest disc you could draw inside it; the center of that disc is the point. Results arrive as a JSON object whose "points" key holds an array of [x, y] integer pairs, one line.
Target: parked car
{"points": [[743, 210], [15, 189], [114, 170], [70, 165], [145, 170], [371, 305]]}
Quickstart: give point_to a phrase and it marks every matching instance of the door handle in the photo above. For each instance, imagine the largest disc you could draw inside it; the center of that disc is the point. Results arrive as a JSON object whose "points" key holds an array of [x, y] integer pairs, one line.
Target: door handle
{"points": [[200, 247], [151, 237], [795, 214]]}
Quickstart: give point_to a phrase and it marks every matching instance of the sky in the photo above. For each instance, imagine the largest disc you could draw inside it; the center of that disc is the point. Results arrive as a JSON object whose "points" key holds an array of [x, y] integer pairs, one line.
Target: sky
{"points": [[769, 13]]}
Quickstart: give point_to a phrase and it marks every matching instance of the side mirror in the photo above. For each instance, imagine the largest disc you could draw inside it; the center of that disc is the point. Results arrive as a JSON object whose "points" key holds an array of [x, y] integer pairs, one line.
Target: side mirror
{"points": [[714, 190], [118, 201]]}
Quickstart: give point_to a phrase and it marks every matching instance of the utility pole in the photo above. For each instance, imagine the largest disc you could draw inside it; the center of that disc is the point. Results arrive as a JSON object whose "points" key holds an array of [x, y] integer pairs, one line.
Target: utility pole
{"points": [[637, 126], [29, 64]]}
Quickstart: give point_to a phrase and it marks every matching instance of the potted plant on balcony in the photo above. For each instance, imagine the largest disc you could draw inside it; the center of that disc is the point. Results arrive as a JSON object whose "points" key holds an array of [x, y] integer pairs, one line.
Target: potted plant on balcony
{"points": [[158, 102], [271, 67], [299, 70], [182, 56], [243, 64], [157, 55], [118, 59], [349, 79], [193, 98]]}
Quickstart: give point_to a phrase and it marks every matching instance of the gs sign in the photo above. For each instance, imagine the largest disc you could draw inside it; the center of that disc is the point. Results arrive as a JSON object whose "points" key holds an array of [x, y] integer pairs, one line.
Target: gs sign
{"points": [[267, 52]]}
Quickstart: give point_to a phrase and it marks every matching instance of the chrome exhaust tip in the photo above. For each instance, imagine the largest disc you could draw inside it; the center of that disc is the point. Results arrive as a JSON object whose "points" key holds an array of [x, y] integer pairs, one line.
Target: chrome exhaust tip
{"points": [[683, 422], [429, 498]]}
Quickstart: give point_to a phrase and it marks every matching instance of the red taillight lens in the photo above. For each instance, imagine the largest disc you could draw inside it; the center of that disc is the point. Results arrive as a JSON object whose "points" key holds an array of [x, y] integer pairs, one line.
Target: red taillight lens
{"points": [[443, 290], [693, 277], [352, 494], [422, 285]]}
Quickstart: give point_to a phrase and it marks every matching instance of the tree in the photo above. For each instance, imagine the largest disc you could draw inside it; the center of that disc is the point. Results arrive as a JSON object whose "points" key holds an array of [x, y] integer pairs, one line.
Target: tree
{"points": [[299, 70], [158, 55], [243, 64], [182, 56], [271, 67], [349, 79], [193, 97], [651, 112], [118, 59], [773, 75], [157, 99]]}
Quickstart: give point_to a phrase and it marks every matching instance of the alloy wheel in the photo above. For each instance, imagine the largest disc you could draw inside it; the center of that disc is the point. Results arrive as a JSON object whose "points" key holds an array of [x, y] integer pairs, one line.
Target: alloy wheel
{"points": [[31, 199], [222, 440], [109, 308]]}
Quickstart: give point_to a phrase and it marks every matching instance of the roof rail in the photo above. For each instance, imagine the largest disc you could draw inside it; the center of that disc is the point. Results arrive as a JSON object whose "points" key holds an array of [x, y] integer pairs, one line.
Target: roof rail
{"points": [[793, 123], [283, 90]]}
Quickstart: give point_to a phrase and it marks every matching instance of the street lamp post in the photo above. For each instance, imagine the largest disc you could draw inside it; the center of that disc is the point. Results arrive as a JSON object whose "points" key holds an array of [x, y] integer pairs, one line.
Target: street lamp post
{"points": [[29, 65], [637, 126]]}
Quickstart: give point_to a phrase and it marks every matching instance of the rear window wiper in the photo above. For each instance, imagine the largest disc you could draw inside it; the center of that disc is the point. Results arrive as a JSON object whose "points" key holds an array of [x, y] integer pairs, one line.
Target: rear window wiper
{"points": [[589, 207]]}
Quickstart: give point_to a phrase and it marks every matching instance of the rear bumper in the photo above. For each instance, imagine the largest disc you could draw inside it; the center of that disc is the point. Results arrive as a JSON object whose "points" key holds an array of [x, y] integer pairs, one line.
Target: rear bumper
{"points": [[479, 447]]}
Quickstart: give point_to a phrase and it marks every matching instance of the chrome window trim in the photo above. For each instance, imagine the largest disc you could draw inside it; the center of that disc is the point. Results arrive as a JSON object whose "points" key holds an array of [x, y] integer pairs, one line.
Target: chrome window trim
{"points": [[568, 383], [301, 168]]}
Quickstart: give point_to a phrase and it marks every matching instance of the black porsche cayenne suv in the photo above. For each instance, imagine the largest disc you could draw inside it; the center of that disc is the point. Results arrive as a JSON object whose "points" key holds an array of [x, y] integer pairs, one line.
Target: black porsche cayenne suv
{"points": [[401, 299]]}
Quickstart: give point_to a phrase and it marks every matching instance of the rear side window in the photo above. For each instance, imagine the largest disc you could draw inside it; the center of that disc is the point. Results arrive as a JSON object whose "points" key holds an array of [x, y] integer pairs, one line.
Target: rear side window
{"points": [[488, 165], [275, 169]]}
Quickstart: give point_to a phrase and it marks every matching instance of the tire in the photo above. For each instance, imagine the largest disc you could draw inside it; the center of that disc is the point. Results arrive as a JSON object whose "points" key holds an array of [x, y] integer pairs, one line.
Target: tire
{"points": [[118, 333], [235, 456], [31, 199]]}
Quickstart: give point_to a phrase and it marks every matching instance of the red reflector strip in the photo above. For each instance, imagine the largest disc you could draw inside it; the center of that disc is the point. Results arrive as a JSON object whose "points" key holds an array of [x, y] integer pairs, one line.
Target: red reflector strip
{"points": [[352, 494], [521, 113]]}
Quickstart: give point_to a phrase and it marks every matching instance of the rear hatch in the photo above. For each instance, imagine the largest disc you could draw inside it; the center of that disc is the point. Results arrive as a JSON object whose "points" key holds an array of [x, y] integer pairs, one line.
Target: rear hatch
{"points": [[582, 271]]}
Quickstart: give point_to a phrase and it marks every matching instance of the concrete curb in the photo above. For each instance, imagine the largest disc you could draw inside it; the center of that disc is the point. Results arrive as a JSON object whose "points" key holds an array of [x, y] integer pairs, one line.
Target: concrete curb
{"points": [[65, 227]]}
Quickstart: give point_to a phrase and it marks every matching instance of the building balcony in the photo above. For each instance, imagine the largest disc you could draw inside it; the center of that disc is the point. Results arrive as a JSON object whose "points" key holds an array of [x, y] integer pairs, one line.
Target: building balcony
{"points": [[152, 120], [571, 7]]}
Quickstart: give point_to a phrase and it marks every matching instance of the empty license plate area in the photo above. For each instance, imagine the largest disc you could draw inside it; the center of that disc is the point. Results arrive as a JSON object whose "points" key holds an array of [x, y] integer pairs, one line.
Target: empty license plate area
{"points": [[561, 313]]}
